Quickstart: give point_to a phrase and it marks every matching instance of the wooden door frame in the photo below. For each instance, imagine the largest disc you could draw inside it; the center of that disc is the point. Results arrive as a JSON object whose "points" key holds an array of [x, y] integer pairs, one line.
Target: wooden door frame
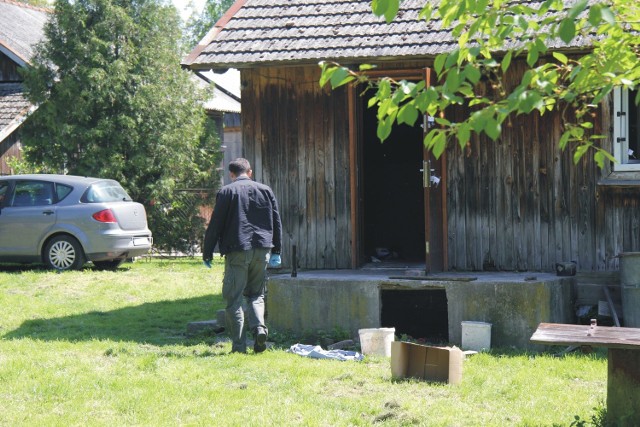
{"points": [[428, 77], [355, 157]]}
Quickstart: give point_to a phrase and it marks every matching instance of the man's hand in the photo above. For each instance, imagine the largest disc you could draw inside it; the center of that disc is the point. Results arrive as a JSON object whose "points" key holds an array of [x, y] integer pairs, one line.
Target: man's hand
{"points": [[275, 261], [207, 263]]}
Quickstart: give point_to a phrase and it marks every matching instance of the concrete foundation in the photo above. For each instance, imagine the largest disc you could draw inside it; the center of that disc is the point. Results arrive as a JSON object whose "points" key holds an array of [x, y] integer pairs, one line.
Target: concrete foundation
{"points": [[514, 303]]}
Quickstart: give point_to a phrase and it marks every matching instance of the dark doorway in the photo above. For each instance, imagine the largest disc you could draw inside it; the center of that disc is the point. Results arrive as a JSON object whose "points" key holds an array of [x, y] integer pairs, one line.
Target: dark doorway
{"points": [[392, 192], [420, 314]]}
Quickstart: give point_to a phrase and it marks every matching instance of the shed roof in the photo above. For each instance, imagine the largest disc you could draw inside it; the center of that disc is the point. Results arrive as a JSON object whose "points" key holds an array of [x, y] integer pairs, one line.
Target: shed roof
{"points": [[288, 32], [14, 108], [21, 27], [226, 90]]}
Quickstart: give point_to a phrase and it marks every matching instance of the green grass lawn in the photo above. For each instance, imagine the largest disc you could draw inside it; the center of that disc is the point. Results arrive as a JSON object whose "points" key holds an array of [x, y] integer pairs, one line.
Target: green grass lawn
{"points": [[110, 348]]}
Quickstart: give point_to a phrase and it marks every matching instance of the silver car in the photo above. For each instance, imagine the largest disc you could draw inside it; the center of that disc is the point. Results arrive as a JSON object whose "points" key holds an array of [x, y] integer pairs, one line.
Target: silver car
{"points": [[65, 221]]}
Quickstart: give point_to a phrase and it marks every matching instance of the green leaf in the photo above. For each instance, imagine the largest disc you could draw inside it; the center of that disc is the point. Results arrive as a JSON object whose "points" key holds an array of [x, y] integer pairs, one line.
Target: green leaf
{"points": [[561, 57], [532, 56], [340, 77], [567, 30], [439, 144], [564, 140], [427, 12], [464, 134], [595, 14], [379, 7], [384, 127], [388, 8], [386, 108], [530, 101], [452, 59], [436, 141], [506, 61], [367, 67], [326, 74], [581, 150], [384, 89], [408, 114], [492, 128], [608, 16], [438, 64], [599, 158], [372, 101], [577, 9], [442, 121], [472, 74], [463, 39]]}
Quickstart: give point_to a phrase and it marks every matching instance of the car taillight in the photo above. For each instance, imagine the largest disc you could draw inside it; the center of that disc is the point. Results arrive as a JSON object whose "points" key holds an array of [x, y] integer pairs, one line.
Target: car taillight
{"points": [[104, 216]]}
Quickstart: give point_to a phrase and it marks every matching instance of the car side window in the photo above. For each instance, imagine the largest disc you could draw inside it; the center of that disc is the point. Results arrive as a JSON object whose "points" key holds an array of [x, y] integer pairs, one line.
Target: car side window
{"points": [[4, 192], [62, 191], [32, 193]]}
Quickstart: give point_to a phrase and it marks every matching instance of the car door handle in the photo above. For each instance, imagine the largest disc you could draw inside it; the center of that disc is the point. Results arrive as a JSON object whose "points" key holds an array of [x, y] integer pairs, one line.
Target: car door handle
{"points": [[47, 212]]}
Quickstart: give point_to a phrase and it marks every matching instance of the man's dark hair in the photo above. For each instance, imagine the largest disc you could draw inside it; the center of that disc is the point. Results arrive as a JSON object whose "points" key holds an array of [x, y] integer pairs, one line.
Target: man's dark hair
{"points": [[239, 166]]}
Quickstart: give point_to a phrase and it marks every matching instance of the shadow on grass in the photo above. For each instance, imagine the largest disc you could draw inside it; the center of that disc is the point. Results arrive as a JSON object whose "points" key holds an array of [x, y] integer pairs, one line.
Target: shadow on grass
{"points": [[157, 323], [16, 268]]}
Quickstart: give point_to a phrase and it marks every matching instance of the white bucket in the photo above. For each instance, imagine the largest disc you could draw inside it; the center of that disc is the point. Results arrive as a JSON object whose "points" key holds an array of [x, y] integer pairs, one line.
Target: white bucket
{"points": [[377, 341], [476, 336]]}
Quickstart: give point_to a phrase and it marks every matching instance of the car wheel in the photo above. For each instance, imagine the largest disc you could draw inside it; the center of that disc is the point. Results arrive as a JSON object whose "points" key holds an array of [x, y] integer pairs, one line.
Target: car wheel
{"points": [[64, 253], [108, 265]]}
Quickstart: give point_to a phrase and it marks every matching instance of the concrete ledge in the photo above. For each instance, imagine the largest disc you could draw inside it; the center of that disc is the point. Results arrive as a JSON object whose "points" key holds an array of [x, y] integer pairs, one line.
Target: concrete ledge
{"points": [[350, 301]]}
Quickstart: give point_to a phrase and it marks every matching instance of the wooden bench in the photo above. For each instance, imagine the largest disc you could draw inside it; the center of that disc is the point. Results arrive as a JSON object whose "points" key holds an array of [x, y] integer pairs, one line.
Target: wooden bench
{"points": [[623, 344]]}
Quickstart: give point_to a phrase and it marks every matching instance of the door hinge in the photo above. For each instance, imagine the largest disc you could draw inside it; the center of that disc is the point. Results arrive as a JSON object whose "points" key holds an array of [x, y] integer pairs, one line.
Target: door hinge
{"points": [[426, 246]]}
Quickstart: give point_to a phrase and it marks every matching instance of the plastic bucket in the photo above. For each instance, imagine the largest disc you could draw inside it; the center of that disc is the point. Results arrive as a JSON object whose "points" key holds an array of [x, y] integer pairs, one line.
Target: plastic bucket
{"points": [[476, 335], [377, 341]]}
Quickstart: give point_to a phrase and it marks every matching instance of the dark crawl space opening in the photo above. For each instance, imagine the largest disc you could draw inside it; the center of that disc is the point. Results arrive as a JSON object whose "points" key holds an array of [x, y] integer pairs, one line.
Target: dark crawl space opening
{"points": [[420, 314], [392, 193]]}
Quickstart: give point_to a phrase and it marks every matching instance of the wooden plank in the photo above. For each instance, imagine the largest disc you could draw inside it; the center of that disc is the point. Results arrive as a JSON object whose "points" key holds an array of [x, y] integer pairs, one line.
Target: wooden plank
{"points": [[330, 257], [311, 218], [493, 220], [320, 121], [611, 306], [584, 335], [535, 248], [546, 202], [508, 248], [346, 251]]}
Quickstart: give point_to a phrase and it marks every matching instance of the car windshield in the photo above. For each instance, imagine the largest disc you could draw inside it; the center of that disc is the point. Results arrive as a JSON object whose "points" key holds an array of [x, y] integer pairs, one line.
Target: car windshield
{"points": [[105, 191]]}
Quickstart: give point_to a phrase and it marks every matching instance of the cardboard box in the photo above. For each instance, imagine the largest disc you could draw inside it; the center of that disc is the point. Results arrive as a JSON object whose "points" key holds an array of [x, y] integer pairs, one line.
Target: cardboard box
{"points": [[441, 364]]}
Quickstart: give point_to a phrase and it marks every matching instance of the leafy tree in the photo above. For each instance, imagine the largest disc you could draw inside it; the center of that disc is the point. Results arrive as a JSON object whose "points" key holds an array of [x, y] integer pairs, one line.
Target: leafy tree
{"points": [[552, 81], [198, 26], [115, 103]]}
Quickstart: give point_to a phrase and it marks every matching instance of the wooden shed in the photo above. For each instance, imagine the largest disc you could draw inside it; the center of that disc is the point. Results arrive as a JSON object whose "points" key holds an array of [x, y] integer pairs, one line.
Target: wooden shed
{"points": [[21, 28], [518, 204]]}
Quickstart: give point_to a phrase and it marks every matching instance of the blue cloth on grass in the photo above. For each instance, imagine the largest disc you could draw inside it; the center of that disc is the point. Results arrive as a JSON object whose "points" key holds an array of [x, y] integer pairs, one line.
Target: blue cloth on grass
{"points": [[317, 352]]}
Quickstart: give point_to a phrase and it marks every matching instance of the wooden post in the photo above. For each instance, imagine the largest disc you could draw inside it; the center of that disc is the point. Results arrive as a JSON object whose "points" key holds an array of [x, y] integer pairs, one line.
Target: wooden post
{"points": [[623, 388]]}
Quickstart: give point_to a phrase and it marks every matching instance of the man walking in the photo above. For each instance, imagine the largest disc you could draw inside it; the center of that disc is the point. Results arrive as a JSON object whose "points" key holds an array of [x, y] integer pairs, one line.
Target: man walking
{"points": [[246, 225]]}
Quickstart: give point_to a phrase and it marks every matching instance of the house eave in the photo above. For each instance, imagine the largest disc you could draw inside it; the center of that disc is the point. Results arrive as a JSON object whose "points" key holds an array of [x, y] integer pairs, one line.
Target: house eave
{"points": [[203, 66]]}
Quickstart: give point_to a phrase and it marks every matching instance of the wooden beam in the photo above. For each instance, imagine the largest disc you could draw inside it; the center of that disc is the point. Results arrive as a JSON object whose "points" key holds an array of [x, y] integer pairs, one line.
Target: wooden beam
{"points": [[611, 307]]}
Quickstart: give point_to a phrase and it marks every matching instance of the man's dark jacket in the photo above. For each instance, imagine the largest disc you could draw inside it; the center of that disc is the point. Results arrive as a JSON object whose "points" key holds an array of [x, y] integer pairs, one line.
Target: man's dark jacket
{"points": [[245, 217]]}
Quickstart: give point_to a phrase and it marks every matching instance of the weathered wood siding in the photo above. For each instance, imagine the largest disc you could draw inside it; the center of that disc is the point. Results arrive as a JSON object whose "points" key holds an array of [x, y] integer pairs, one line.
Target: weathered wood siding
{"points": [[9, 148], [515, 204], [296, 136], [522, 204], [8, 69]]}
